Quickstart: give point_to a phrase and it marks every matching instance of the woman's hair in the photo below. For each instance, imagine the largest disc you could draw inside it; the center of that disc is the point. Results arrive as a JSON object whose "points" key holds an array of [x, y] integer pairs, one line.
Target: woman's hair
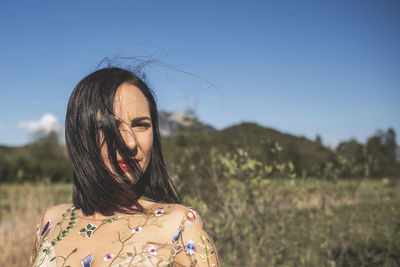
{"points": [[96, 187]]}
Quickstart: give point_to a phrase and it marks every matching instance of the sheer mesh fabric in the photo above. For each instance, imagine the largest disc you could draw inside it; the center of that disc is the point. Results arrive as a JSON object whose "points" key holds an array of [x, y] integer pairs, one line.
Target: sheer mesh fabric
{"points": [[166, 235]]}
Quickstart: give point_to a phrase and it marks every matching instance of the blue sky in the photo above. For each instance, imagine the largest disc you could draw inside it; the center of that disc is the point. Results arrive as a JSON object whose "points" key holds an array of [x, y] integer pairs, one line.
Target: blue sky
{"points": [[303, 67]]}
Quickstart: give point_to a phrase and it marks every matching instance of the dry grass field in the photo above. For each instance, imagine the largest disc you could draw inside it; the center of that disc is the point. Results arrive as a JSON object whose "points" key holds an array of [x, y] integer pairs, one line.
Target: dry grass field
{"points": [[20, 210], [303, 223]]}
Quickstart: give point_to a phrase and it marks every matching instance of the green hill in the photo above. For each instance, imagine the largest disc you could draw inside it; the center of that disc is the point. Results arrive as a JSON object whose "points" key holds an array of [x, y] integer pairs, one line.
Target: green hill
{"points": [[264, 144]]}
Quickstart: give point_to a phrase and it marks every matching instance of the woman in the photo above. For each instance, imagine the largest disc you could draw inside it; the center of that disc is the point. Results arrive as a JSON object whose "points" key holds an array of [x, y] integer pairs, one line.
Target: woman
{"points": [[125, 209]]}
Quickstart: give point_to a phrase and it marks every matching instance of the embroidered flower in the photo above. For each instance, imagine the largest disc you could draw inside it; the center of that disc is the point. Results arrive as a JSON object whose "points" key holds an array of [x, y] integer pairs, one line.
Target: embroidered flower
{"points": [[190, 247], [108, 257], [159, 212], [191, 217], [137, 229], [175, 238], [87, 262], [88, 230], [153, 250], [45, 228]]}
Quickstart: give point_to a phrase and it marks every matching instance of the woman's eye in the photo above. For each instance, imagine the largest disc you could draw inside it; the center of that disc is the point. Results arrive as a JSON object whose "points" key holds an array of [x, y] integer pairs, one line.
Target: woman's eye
{"points": [[141, 125]]}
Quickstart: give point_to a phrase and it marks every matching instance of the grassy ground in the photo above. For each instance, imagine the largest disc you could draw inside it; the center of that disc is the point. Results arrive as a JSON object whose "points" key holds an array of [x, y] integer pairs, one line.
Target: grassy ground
{"points": [[301, 223], [20, 210]]}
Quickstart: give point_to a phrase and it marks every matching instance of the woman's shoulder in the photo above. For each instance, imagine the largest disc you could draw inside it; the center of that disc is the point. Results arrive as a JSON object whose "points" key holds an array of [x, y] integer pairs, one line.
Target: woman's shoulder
{"points": [[176, 209], [55, 212], [186, 213], [171, 211], [174, 214]]}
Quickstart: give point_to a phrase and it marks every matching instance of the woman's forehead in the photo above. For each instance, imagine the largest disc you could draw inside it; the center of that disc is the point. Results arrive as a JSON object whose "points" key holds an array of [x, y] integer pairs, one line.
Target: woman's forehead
{"points": [[129, 101]]}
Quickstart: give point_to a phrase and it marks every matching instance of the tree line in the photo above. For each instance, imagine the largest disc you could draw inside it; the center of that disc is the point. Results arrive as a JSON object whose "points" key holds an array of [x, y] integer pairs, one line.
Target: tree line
{"points": [[193, 148]]}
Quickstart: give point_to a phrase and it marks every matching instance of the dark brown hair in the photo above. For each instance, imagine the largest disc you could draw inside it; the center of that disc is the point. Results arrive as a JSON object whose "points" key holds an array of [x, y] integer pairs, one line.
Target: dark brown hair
{"points": [[96, 188]]}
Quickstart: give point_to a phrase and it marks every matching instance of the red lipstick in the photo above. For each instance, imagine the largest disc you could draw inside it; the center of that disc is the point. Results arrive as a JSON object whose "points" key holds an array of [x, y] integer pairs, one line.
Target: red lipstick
{"points": [[125, 166]]}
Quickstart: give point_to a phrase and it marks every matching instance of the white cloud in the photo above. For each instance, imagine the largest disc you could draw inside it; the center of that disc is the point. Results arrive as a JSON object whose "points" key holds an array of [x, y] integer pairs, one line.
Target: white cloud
{"points": [[48, 122]]}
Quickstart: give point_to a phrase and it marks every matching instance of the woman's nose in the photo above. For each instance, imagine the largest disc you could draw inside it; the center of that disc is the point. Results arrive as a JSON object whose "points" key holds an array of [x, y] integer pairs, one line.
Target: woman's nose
{"points": [[129, 139]]}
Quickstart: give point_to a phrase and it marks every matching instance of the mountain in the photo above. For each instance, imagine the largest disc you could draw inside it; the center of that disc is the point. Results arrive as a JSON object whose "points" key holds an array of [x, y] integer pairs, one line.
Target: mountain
{"points": [[171, 122]]}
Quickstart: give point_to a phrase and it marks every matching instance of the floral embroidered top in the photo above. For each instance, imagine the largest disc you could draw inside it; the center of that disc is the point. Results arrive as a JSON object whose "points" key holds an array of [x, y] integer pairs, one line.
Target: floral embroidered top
{"points": [[165, 235]]}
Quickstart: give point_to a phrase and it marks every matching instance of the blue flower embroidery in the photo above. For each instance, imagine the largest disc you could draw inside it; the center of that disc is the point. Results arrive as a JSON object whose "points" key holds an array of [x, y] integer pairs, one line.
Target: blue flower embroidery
{"points": [[175, 238], [190, 247], [46, 228], [87, 262]]}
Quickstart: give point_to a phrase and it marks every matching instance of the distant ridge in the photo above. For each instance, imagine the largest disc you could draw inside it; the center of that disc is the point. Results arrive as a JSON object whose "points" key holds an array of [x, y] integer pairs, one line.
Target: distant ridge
{"points": [[171, 122], [258, 139], [262, 143]]}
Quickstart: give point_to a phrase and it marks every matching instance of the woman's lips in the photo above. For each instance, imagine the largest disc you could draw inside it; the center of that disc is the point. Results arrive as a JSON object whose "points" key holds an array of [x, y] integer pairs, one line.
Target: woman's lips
{"points": [[125, 166]]}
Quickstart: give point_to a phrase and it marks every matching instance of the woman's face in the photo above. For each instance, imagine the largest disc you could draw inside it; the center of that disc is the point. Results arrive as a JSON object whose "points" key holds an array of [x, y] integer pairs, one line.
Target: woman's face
{"points": [[132, 112]]}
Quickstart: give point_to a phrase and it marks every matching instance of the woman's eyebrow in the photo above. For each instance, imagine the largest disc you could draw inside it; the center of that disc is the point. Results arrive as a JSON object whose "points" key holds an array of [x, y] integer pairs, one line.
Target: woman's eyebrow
{"points": [[140, 119], [135, 120]]}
